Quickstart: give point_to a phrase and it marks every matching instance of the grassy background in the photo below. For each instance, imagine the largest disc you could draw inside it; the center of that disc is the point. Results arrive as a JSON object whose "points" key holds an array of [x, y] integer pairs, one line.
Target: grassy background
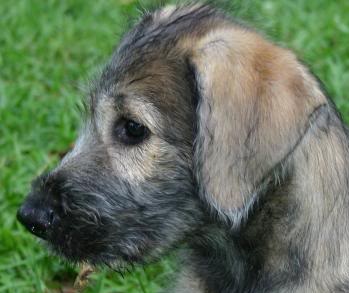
{"points": [[48, 51]]}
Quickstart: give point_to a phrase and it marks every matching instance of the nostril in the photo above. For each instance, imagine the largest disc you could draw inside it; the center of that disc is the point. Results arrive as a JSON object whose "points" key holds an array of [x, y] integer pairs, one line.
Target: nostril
{"points": [[50, 217]]}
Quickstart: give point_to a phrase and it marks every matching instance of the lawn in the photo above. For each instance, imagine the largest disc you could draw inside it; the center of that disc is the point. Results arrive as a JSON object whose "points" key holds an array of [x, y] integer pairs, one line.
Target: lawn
{"points": [[49, 50]]}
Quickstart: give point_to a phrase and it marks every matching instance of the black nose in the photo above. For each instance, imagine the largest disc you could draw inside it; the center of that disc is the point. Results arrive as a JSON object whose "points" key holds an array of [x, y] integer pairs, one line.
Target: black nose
{"points": [[36, 217]]}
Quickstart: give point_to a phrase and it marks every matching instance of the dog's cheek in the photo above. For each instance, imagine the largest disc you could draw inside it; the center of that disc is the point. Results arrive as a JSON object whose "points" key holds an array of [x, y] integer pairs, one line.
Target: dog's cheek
{"points": [[167, 212], [136, 164]]}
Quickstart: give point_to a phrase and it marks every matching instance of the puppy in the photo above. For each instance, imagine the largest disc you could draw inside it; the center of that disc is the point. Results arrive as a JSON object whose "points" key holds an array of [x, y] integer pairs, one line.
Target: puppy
{"points": [[201, 132]]}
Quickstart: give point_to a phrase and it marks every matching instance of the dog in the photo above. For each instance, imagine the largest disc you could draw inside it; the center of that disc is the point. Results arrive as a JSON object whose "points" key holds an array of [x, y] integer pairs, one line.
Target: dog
{"points": [[204, 136]]}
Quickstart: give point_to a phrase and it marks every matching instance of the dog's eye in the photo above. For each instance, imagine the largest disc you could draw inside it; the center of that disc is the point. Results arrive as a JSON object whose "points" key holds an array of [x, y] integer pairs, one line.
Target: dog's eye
{"points": [[134, 129], [130, 132]]}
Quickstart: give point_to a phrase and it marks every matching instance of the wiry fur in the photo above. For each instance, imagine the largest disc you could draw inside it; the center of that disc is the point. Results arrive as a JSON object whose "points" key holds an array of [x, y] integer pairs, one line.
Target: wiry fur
{"points": [[246, 164]]}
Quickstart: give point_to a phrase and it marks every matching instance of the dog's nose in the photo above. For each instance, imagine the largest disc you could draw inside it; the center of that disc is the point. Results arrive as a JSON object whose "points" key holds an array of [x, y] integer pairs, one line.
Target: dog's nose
{"points": [[37, 218]]}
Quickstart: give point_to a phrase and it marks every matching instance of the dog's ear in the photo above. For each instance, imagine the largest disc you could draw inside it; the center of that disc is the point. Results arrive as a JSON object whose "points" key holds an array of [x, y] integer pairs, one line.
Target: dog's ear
{"points": [[255, 101]]}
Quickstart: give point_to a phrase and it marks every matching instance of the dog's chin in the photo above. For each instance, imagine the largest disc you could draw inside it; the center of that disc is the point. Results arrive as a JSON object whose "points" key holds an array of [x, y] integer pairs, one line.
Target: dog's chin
{"points": [[74, 255], [77, 252]]}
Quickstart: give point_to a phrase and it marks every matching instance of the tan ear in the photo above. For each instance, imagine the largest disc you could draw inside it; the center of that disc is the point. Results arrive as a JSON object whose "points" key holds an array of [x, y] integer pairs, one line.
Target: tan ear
{"points": [[255, 102]]}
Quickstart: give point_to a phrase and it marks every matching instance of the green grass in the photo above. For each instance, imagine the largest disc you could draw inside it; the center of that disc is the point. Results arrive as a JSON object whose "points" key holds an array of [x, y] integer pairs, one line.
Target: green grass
{"points": [[48, 51]]}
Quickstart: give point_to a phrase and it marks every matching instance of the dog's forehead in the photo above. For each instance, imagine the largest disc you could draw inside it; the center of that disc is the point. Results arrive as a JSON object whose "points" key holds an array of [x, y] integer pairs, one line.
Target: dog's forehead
{"points": [[156, 88], [151, 50]]}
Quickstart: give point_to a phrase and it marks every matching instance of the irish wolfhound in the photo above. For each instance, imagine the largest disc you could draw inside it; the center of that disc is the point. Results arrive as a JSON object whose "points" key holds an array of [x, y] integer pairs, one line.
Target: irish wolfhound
{"points": [[201, 132]]}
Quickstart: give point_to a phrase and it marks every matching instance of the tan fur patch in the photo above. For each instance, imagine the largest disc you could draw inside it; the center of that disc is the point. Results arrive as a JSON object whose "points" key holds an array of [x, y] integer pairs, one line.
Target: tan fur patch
{"points": [[256, 102]]}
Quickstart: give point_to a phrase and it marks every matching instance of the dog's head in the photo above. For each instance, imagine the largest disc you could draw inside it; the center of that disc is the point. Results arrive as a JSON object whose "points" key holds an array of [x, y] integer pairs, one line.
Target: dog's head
{"points": [[192, 111]]}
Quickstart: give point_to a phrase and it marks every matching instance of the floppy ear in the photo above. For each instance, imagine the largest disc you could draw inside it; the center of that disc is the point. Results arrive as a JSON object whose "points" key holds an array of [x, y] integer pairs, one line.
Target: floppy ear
{"points": [[255, 102]]}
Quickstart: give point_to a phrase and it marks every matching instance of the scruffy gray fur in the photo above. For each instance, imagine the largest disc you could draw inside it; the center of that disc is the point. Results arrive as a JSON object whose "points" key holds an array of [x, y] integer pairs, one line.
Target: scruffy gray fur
{"points": [[204, 136]]}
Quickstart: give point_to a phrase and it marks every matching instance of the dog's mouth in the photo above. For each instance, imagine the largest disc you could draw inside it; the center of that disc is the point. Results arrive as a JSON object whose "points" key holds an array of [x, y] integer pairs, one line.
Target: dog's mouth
{"points": [[94, 244], [74, 238], [80, 244]]}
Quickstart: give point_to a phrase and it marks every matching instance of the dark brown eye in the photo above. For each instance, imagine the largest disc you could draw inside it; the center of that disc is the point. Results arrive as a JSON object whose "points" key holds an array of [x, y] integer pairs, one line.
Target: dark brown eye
{"points": [[130, 132], [134, 129]]}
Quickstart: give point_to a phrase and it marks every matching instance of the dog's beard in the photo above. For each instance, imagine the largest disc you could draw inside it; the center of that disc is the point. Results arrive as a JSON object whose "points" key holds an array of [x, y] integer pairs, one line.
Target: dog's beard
{"points": [[133, 236]]}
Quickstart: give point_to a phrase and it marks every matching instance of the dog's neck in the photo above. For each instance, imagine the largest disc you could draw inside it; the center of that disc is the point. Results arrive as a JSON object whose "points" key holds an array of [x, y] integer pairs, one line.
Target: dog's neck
{"points": [[297, 235]]}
